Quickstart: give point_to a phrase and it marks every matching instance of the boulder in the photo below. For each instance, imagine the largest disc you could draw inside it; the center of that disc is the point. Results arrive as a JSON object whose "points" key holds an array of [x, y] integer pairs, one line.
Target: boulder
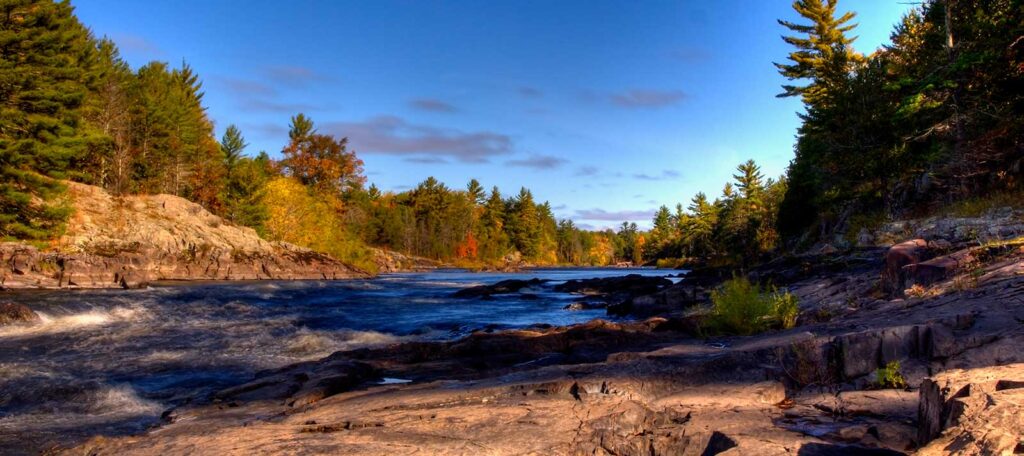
{"points": [[898, 256], [938, 269], [584, 305], [632, 284], [14, 313], [673, 298], [864, 238], [505, 286]]}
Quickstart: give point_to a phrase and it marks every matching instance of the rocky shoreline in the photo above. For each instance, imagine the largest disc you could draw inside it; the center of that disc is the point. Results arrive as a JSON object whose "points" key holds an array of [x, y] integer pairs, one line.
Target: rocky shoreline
{"points": [[943, 312], [127, 242], [657, 385]]}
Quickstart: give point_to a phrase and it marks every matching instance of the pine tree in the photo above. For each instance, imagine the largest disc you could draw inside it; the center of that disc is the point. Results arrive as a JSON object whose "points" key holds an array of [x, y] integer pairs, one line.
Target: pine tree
{"points": [[524, 224], [107, 115], [232, 144], [475, 191], [823, 53], [42, 86], [493, 238], [702, 225], [749, 181]]}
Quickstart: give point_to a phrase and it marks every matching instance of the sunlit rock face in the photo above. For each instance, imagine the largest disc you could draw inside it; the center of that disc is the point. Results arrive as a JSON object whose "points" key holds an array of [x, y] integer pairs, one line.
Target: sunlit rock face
{"points": [[131, 240]]}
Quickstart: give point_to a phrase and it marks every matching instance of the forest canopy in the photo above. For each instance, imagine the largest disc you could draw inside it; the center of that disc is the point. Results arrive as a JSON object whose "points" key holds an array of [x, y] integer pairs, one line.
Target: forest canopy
{"points": [[931, 118]]}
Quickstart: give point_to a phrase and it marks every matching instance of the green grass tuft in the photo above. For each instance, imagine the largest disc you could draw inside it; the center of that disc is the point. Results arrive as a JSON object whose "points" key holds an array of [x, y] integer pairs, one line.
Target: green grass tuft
{"points": [[743, 308], [890, 377]]}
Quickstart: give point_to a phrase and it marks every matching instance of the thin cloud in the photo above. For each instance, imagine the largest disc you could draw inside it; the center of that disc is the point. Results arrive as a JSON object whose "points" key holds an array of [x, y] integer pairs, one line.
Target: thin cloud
{"points": [[589, 227], [295, 75], [432, 105], [665, 175], [538, 162], [428, 160], [587, 171], [266, 129], [251, 104], [244, 87], [136, 43], [392, 135], [613, 216], [529, 92], [646, 98]]}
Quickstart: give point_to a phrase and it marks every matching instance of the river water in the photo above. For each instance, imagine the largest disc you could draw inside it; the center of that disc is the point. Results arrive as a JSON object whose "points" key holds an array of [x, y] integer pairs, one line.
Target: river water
{"points": [[111, 361]]}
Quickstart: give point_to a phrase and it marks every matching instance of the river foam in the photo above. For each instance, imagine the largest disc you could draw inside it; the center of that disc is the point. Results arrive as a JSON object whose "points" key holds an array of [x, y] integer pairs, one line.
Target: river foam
{"points": [[111, 361]]}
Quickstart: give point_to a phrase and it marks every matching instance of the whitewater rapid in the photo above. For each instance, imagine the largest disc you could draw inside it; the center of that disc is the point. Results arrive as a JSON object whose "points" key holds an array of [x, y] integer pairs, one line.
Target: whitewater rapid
{"points": [[112, 361]]}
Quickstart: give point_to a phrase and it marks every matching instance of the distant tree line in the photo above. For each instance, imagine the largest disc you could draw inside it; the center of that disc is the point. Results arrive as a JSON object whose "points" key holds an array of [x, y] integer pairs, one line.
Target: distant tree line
{"points": [[72, 108], [735, 228], [933, 117]]}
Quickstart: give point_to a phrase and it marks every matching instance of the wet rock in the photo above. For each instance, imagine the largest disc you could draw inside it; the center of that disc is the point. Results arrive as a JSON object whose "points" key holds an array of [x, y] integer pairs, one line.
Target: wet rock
{"points": [[632, 284], [584, 305], [632, 295], [14, 313], [671, 299], [505, 286]]}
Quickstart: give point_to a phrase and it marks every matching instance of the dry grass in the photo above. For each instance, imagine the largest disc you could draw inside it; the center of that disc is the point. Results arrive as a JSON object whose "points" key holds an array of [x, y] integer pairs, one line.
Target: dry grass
{"points": [[978, 206]]}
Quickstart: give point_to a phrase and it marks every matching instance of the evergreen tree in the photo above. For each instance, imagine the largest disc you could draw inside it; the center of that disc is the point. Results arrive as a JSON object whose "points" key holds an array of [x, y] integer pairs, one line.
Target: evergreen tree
{"points": [[823, 54], [232, 144], [107, 112], [494, 241], [524, 224], [698, 233], [42, 86], [749, 181], [475, 191]]}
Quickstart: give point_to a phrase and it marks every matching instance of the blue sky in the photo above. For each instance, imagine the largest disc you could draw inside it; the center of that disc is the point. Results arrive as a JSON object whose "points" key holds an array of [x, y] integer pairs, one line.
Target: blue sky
{"points": [[606, 109]]}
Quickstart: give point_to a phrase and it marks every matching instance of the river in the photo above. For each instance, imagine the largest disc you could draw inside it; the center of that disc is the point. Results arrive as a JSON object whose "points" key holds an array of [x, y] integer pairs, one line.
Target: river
{"points": [[111, 361]]}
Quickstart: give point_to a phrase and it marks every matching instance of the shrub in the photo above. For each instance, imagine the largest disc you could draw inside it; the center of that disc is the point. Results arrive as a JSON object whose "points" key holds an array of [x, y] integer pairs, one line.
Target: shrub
{"points": [[890, 376], [743, 308], [312, 221], [670, 263]]}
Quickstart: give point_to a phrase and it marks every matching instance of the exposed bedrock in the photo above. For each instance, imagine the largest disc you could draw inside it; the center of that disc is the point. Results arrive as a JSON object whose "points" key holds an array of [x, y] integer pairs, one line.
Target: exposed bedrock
{"points": [[128, 241]]}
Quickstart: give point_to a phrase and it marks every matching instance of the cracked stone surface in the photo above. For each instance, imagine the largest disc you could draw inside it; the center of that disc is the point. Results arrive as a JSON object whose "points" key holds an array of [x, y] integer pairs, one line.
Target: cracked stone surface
{"points": [[652, 388]]}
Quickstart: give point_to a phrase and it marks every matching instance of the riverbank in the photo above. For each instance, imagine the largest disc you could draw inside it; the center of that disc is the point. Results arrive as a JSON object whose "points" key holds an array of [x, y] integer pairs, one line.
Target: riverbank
{"points": [[658, 386], [128, 241]]}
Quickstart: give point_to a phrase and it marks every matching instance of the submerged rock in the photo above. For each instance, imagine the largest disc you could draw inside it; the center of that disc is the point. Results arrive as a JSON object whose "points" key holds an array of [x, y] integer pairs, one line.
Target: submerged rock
{"points": [[14, 313]]}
